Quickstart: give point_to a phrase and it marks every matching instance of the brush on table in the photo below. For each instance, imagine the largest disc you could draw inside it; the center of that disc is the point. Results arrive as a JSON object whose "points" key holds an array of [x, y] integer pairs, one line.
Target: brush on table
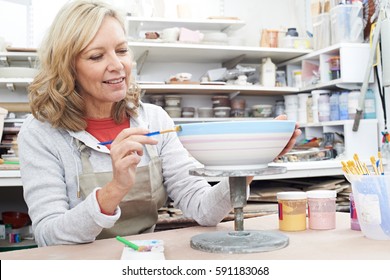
{"points": [[134, 246], [175, 129]]}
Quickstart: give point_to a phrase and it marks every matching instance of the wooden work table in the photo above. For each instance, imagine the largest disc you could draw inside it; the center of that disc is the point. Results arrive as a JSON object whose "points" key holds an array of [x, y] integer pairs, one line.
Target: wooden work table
{"points": [[339, 244]]}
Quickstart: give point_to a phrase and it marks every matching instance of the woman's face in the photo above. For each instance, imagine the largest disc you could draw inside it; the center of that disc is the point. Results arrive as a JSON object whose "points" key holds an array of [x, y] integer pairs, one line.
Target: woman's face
{"points": [[103, 69]]}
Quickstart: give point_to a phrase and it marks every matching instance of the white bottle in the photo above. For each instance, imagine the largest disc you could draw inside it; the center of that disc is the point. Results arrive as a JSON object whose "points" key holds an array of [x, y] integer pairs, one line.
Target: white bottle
{"points": [[268, 72]]}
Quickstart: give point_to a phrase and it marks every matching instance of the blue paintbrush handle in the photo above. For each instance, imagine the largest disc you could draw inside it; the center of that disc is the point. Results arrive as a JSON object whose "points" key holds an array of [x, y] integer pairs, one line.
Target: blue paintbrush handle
{"points": [[152, 133], [147, 134]]}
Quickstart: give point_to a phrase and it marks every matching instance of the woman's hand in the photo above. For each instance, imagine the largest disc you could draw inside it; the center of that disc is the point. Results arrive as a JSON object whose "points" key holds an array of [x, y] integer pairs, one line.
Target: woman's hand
{"points": [[293, 138], [289, 145], [126, 152]]}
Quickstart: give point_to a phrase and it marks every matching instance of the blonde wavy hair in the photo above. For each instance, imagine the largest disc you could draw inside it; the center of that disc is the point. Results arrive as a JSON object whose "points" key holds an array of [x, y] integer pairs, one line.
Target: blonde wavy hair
{"points": [[53, 95]]}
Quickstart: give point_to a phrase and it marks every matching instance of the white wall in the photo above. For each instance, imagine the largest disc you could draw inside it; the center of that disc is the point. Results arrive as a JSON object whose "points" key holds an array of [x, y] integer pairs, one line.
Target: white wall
{"points": [[257, 14]]}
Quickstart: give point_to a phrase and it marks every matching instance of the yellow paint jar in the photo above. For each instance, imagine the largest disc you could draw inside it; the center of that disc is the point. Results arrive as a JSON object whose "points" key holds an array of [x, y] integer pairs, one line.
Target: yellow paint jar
{"points": [[292, 211]]}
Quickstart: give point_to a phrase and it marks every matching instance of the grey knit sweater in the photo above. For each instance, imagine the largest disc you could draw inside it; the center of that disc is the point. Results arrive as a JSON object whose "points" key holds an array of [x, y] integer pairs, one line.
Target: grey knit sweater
{"points": [[50, 164]]}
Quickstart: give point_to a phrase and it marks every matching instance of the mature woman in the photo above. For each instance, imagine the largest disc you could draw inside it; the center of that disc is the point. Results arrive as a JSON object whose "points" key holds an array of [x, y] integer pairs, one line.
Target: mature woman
{"points": [[77, 190]]}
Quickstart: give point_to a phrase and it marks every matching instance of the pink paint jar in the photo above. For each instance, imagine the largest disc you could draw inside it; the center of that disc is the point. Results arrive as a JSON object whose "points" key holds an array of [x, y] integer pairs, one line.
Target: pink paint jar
{"points": [[322, 209]]}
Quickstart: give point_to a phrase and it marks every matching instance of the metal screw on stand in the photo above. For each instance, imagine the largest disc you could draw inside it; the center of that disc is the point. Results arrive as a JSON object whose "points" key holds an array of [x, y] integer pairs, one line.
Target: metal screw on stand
{"points": [[239, 240]]}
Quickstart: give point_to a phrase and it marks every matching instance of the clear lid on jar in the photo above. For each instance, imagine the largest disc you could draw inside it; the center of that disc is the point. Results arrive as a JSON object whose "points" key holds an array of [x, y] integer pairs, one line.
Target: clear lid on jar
{"points": [[291, 195], [321, 194]]}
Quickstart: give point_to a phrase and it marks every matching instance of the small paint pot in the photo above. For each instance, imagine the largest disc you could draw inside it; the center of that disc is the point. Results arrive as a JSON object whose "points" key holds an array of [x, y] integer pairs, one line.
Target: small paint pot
{"points": [[172, 101], [222, 112], [352, 209], [205, 112], [188, 112], [173, 112], [220, 101], [322, 209], [292, 211]]}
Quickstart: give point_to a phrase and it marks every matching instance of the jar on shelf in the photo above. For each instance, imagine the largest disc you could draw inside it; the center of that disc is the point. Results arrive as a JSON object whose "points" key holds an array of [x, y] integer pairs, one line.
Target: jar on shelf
{"points": [[323, 107], [279, 108], [205, 112], [172, 101], [369, 105], [297, 78], [334, 106], [220, 101], [343, 105], [353, 103], [188, 112], [334, 67]]}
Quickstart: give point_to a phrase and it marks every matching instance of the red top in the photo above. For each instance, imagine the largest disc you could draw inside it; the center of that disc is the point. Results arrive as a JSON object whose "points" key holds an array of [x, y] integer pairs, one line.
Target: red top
{"points": [[106, 129]]}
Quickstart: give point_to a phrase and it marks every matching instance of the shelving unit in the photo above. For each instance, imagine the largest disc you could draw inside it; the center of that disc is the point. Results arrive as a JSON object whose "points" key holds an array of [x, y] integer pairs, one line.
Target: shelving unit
{"points": [[351, 74], [198, 53], [159, 52], [137, 24], [16, 59], [216, 89]]}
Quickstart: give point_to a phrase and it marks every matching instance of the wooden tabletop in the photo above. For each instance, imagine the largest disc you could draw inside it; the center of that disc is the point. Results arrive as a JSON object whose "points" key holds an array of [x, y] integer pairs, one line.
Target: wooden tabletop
{"points": [[340, 243]]}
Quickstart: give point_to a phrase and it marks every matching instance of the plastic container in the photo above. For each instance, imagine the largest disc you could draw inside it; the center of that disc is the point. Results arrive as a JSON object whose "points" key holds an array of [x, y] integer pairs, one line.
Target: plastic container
{"points": [[268, 73], [238, 103], [158, 100], [334, 67], [292, 211], [173, 112], [302, 99], [353, 103], [288, 41], [205, 112], [372, 201], [291, 101], [352, 210], [221, 112], [292, 114], [172, 101], [262, 111], [220, 101], [280, 78], [369, 105], [323, 107], [334, 106], [297, 78], [343, 105], [237, 113], [188, 112], [279, 108], [321, 209], [346, 24], [315, 108], [321, 31]]}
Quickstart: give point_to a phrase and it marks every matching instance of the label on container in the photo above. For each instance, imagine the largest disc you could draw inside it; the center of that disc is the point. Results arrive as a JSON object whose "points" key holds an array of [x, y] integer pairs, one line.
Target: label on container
{"points": [[370, 212], [292, 215]]}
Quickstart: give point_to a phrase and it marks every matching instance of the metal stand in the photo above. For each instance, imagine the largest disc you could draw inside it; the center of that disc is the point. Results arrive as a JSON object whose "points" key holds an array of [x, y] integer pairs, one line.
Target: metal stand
{"points": [[238, 241]]}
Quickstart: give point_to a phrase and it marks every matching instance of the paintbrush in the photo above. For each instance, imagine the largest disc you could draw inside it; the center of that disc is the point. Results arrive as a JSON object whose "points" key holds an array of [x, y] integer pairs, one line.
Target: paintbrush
{"points": [[134, 246], [175, 129]]}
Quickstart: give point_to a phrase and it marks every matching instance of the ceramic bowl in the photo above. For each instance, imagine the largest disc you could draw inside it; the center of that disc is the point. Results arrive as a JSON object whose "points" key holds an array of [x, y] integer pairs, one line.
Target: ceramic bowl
{"points": [[233, 145]]}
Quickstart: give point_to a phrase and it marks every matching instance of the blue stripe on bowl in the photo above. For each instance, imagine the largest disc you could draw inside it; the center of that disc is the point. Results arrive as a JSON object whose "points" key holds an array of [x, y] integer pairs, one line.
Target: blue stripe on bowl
{"points": [[256, 138], [237, 127]]}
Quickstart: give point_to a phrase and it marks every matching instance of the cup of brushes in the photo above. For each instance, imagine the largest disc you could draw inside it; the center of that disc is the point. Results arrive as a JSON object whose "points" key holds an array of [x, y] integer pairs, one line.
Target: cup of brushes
{"points": [[371, 192]]}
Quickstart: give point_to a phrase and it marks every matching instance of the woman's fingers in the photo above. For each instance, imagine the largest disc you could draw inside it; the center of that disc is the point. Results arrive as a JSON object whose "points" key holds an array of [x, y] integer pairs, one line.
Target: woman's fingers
{"points": [[294, 136]]}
